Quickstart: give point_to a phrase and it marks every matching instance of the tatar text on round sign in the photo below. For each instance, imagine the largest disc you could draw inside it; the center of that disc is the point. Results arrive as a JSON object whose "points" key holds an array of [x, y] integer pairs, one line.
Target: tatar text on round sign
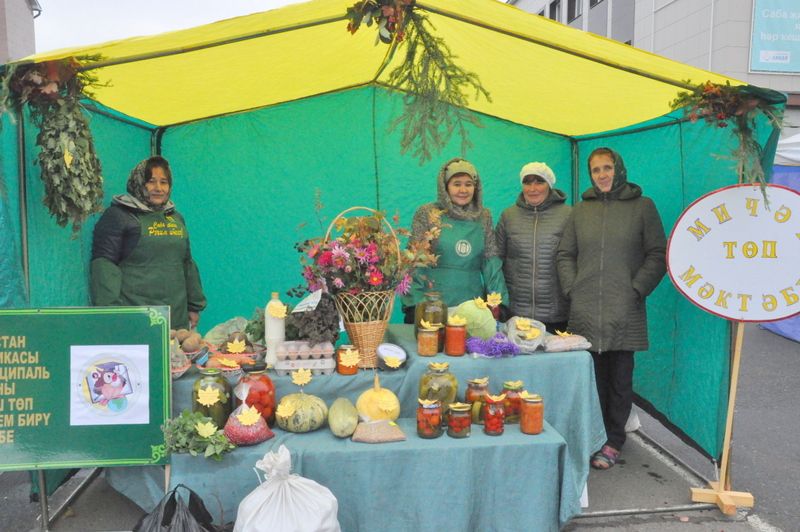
{"points": [[733, 255]]}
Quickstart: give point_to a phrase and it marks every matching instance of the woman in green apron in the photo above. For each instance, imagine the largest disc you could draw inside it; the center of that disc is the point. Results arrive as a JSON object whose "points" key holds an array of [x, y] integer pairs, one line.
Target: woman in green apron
{"points": [[141, 253], [463, 239]]}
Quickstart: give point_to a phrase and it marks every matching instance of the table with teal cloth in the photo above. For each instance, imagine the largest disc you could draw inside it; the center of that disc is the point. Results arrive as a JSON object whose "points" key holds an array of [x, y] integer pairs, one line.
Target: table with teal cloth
{"points": [[479, 473]]}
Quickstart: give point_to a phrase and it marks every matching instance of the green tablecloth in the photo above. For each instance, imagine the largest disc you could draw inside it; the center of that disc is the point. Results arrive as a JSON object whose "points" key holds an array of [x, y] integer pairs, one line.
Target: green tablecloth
{"points": [[565, 381]]}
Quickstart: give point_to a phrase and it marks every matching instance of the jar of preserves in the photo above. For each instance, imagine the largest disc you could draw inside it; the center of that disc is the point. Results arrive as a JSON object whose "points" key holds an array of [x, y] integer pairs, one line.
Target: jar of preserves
{"points": [[347, 357], [429, 419], [494, 415], [477, 389], [459, 422], [211, 396], [427, 342], [433, 310], [261, 391], [531, 419], [438, 384], [455, 340], [512, 389]]}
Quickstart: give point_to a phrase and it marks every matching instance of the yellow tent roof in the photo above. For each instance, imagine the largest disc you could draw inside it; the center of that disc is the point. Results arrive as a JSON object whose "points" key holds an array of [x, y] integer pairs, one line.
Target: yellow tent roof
{"points": [[538, 72]]}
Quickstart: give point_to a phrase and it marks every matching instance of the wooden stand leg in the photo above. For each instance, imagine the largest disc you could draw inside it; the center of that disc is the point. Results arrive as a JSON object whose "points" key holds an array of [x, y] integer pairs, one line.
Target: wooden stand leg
{"points": [[719, 492]]}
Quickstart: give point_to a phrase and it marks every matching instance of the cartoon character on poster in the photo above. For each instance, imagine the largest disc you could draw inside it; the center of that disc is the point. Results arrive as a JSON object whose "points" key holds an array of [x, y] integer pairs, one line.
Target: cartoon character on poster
{"points": [[110, 385]]}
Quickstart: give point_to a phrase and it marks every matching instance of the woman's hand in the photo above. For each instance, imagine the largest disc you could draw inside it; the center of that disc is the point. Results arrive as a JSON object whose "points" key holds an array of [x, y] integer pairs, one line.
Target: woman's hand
{"points": [[194, 319]]}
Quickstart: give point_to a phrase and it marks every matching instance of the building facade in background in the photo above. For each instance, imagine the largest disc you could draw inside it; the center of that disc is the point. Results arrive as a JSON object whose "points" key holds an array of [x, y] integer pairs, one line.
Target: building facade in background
{"points": [[756, 41], [16, 28]]}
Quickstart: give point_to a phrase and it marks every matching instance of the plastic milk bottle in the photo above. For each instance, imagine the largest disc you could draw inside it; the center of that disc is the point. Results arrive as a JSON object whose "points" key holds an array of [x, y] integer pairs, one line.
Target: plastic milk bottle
{"points": [[274, 327]]}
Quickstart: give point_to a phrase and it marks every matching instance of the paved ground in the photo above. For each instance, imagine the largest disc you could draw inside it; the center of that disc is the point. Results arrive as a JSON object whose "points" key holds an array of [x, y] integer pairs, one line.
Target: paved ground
{"points": [[766, 462]]}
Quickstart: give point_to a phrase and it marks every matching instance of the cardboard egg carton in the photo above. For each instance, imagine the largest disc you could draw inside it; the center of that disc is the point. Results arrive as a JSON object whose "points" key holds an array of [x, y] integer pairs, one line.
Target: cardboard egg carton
{"points": [[294, 355]]}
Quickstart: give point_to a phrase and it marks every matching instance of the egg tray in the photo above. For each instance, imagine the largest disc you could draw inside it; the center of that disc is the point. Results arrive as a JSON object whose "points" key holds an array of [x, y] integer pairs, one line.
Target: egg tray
{"points": [[301, 350], [318, 366]]}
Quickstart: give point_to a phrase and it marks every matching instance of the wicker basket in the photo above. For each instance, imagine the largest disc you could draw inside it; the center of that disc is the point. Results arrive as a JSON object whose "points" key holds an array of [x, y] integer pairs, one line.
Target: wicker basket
{"points": [[365, 315]]}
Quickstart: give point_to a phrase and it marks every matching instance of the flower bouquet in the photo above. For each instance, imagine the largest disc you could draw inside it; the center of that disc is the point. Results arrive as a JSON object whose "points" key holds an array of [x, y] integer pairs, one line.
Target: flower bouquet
{"points": [[362, 268]]}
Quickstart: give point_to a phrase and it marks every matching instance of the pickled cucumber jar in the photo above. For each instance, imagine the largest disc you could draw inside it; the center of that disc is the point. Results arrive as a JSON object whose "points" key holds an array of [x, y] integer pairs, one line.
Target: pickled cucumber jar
{"points": [[439, 384], [433, 310], [429, 419], [477, 390], [459, 422], [512, 389], [211, 396]]}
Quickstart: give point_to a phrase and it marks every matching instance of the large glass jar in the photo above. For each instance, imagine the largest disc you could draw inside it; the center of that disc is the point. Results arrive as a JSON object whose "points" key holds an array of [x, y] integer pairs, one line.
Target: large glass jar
{"points": [[455, 340], [261, 391], [494, 415], [477, 390], [459, 422], [531, 420], [429, 419], [211, 396], [439, 384], [433, 310], [512, 389]]}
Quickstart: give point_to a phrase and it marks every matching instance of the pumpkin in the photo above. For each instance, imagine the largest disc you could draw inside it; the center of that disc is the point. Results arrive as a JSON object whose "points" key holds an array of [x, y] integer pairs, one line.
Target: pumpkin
{"points": [[378, 403], [342, 418], [301, 412]]}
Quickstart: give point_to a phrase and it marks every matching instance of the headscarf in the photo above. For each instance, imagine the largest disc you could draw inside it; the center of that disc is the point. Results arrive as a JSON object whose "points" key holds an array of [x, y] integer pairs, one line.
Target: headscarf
{"points": [[474, 209], [620, 172], [137, 195]]}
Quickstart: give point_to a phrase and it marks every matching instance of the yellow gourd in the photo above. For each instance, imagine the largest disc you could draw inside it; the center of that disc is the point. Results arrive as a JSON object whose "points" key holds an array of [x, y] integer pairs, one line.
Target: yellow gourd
{"points": [[378, 403]]}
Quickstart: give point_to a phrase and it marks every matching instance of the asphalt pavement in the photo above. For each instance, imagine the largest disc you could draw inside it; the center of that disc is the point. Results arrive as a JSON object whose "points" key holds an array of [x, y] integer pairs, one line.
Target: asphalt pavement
{"points": [[648, 490]]}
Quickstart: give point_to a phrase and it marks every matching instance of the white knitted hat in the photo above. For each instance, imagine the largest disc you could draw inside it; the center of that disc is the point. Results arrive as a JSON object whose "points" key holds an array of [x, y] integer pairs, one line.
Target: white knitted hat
{"points": [[538, 169]]}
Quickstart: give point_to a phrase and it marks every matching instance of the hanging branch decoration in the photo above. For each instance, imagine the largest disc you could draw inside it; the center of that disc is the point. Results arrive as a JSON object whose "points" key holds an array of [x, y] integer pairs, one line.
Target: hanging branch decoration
{"points": [[69, 165], [722, 105], [435, 86]]}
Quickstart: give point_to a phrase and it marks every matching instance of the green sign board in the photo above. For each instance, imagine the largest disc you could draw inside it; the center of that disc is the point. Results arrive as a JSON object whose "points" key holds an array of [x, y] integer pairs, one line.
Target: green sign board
{"points": [[83, 387]]}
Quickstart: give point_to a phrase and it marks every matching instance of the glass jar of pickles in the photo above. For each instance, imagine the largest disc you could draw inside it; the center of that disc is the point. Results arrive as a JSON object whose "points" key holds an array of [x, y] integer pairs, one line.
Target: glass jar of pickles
{"points": [[531, 419], [429, 419], [477, 389], [211, 396], [427, 342], [494, 415], [512, 389], [433, 310], [347, 357], [261, 391], [439, 384], [459, 421]]}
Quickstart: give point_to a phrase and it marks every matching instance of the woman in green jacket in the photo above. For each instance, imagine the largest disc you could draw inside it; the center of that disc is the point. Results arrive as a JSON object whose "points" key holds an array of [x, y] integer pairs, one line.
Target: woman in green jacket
{"points": [[611, 256], [468, 265], [140, 252]]}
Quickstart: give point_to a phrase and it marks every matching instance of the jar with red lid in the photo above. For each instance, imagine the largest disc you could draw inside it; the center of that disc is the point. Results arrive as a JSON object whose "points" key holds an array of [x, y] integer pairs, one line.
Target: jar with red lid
{"points": [[261, 392], [429, 419], [494, 415], [347, 359], [531, 419], [512, 389], [455, 340], [459, 421], [477, 390]]}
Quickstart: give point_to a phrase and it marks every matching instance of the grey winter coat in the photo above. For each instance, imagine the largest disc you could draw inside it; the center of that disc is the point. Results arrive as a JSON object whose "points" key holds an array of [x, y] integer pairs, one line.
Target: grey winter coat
{"points": [[611, 256], [528, 239]]}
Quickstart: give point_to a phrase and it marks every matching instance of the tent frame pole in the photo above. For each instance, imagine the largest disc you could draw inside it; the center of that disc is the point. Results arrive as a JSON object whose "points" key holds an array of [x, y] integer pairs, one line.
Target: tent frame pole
{"points": [[23, 203]]}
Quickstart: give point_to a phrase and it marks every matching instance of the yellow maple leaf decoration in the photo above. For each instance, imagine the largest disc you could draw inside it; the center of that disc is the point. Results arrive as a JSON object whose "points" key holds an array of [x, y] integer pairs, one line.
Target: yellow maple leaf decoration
{"points": [[563, 333], [393, 362], [349, 358], [532, 334], [480, 303], [285, 410], [237, 346], [439, 366], [460, 406], [249, 416], [496, 398], [227, 362], [301, 377], [387, 405], [208, 396], [428, 326], [205, 430], [456, 320], [427, 403], [483, 381], [513, 384], [68, 158], [276, 310], [522, 324], [494, 299], [526, 396]]}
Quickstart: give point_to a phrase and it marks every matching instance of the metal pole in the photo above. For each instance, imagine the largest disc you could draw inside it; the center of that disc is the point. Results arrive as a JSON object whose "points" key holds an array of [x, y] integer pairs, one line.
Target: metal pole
{"points": [[23, 202], [43, 500]]}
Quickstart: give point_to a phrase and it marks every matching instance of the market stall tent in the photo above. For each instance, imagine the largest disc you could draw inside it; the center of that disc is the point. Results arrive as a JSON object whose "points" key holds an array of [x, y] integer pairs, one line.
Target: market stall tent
{"points": [[276, 121]]}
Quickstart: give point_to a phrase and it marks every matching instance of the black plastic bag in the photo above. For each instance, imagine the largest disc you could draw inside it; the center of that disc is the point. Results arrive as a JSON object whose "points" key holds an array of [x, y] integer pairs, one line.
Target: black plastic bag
{"points": [[176, 516]]}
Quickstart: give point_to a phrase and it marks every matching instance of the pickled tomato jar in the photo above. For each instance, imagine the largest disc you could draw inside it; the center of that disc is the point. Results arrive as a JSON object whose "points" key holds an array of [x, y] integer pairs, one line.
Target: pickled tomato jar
{"points": [[459, 421], [494, 415], [429, 419]]}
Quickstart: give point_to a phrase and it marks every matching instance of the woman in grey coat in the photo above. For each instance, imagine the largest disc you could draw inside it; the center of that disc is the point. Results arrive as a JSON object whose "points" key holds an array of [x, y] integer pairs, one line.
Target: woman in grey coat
{"points": [[612, 255], [528, 234]]}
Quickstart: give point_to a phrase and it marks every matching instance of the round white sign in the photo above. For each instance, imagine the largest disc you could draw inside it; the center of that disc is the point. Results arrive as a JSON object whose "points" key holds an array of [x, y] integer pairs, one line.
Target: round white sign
{"points": [[733, 255]]}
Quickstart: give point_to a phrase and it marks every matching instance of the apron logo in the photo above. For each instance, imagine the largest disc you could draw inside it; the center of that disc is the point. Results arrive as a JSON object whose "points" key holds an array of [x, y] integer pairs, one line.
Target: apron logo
{"points": [[463, 248]]}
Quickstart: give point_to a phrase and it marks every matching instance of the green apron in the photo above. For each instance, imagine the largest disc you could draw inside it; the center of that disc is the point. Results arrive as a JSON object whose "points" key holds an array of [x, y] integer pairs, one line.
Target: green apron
{"points": [[462, 271]]}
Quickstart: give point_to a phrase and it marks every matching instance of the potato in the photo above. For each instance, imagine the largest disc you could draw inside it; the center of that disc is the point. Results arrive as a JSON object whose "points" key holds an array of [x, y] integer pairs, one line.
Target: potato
{"points": [[182, 334], [192, 343]]}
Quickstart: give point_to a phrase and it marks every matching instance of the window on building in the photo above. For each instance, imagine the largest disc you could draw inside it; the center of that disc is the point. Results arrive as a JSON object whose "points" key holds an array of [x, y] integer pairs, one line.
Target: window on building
{"points": [[541, 13], [593, 3], [573, 9], [555, 10]]}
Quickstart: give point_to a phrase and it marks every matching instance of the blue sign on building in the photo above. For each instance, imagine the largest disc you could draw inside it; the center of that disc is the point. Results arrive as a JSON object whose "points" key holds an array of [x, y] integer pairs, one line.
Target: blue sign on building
{"points": [[775, 40]]}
